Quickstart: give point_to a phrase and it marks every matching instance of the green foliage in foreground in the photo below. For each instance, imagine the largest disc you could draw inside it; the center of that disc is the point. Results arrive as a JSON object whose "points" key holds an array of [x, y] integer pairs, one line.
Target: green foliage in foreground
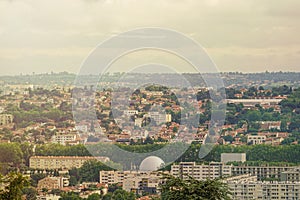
{"points": [[13, 184], [89, 171], [116, 195], [192, 189]]}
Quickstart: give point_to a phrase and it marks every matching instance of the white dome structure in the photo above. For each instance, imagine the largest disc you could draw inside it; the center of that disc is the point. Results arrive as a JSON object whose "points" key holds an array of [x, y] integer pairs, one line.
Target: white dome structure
{"points": [[151, 163]]}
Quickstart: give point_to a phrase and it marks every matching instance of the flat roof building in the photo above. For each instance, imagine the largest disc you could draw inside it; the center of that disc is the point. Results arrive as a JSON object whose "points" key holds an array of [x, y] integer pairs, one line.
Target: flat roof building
{"points": [[245, 188], [233, 157], [200, 171], [132, 181], [262, 172], [291, 175], [61, 162], [256, 139]]}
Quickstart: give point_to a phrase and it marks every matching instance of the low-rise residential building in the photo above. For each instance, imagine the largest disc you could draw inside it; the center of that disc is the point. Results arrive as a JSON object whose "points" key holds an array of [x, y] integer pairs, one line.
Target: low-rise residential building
{"points": [[51, 183], [66, 139], [131, 112], [268, 125], [256, 139], [250, 103], [6, 119]]}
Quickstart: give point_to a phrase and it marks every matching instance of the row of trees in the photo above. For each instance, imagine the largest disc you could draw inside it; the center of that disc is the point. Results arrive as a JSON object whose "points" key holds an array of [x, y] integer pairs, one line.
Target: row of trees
{"points": [[88, 172], [14, 156], [268, 153], [259, 92]]}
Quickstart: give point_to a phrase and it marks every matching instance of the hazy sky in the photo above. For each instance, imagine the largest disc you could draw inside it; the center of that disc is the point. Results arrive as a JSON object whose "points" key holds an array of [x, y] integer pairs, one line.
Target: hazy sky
{"points": [[239, 35]]}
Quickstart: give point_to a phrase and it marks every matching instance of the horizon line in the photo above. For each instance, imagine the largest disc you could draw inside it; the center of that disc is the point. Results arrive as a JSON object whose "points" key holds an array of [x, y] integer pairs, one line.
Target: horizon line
{"points": [[73, 73]]}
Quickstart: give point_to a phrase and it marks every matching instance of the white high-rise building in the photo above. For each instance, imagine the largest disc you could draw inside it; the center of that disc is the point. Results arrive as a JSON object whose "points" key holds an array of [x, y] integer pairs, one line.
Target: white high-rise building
{"points": [[200, 171]]}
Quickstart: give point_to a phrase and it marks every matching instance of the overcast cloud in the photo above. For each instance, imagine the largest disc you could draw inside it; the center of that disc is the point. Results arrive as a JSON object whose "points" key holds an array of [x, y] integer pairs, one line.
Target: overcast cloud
{"points": [[239, 35]]}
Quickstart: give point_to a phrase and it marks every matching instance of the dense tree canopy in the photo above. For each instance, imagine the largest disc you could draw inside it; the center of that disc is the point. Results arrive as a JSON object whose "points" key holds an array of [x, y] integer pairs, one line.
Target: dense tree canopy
{"points": [[191, 189], [267, 153], [89, 171]]}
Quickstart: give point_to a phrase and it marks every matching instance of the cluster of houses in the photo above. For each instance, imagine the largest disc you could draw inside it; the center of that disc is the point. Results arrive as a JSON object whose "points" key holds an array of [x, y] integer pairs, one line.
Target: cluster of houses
{"points": [[134, 122]]}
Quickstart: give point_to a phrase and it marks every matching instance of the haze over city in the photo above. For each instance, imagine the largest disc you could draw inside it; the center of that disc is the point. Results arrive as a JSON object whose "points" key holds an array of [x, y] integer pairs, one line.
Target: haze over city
{"points": [[246, 36]]}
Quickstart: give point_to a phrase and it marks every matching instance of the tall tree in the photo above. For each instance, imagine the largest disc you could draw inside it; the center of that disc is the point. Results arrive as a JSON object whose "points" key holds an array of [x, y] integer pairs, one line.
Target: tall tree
{"points": [[191, 189], [89, 171]]}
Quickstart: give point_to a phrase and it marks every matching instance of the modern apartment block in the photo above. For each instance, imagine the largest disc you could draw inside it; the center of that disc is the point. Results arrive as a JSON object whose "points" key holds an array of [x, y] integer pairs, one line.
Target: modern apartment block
{"points": [[65, 138], [142, 183], [112, 177], [60, 162], [245, 188], [291, 175], [135, 181], [247, 182], [262, 172], [200, 171], [217, 169]]}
